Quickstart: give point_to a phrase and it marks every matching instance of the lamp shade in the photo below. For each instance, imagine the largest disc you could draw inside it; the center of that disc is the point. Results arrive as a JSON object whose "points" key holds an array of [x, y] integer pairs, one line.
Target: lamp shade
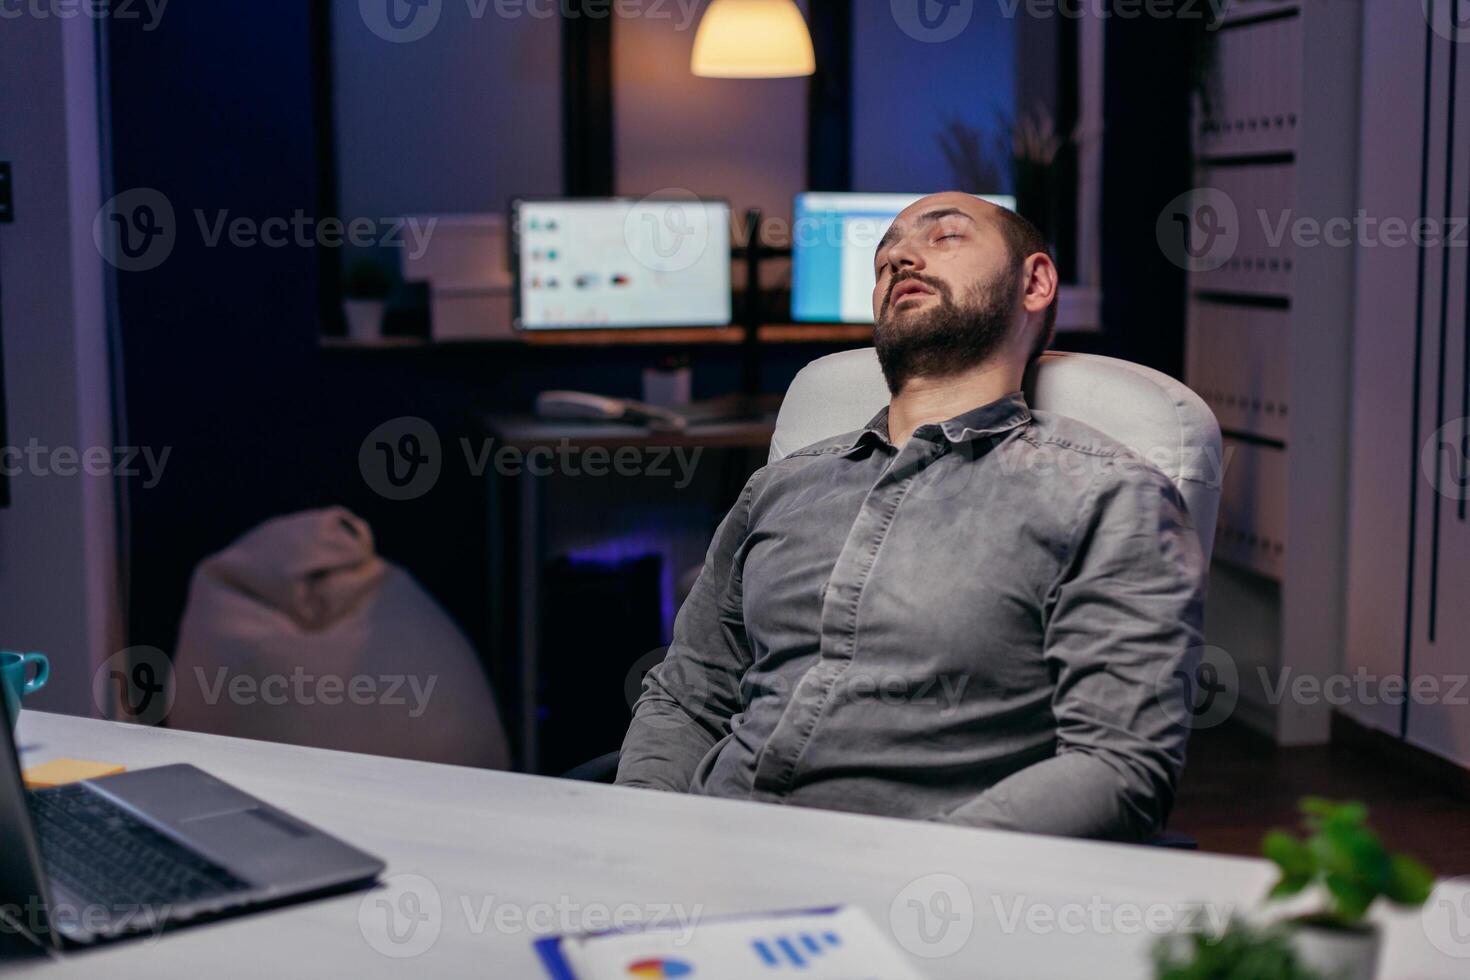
{"points": [[753, 39]]}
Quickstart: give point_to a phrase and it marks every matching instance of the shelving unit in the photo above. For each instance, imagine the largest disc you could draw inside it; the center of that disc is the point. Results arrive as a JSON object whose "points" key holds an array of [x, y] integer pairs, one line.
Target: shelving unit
{"points": [[775, 333], [1269, 336]]}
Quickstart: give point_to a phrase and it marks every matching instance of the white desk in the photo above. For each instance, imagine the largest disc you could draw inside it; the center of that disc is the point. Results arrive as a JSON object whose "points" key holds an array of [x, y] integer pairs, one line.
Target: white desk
{"points": [[548, 848]]}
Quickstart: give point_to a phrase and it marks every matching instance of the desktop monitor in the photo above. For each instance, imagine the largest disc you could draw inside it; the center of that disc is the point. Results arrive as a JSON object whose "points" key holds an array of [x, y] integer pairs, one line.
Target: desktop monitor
{"points": [[614, 263], [835, 236]]}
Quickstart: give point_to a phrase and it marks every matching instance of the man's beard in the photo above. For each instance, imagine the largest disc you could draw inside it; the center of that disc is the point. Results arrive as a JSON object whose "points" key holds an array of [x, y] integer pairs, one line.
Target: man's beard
{"points": [[947, 339]]}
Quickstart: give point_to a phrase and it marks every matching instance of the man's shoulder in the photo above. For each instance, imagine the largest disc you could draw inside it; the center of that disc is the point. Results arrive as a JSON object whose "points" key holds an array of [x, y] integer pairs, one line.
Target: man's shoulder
{"points": [[1068, 445], [832, 446], [1066, 434]]}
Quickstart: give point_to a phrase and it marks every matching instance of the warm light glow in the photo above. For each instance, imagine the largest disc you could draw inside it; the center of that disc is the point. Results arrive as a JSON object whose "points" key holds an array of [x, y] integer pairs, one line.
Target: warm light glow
{"points": [[753, 39]]}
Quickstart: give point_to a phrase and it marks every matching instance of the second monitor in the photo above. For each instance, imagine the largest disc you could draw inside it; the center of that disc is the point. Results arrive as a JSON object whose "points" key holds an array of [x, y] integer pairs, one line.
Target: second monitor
{"points": [[834, 239]]}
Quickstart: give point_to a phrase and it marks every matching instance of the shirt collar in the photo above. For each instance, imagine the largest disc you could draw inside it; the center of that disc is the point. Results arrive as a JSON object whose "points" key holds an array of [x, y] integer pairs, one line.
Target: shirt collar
{"points": [[992, 418]]}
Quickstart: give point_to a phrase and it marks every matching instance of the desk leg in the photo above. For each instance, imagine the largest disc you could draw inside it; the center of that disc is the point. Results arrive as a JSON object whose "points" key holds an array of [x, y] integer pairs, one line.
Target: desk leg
{"points": [[498, 576], [530, 618]]}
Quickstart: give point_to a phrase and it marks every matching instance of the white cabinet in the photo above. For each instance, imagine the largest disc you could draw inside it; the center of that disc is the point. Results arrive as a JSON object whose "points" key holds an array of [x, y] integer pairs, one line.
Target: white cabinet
{"points": [[1408, 575]]}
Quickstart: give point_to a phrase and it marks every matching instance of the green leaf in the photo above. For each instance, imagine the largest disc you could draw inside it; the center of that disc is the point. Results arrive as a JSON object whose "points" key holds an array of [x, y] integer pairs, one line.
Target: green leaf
{"points": [[1289, 854], [1347, 815], [1352, 898], [1409, 882], [1321, 813], [1287, 887], [1352, 852], [1242, 953]]}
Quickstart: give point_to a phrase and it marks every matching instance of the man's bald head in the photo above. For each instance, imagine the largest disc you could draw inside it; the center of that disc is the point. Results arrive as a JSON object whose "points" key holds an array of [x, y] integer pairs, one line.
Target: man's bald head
{"points": [[960, 282], [1022, 238]]}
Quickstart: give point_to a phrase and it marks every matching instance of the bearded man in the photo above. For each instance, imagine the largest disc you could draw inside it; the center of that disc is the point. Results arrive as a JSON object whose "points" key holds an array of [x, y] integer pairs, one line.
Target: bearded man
{"points": [[966, 611]]}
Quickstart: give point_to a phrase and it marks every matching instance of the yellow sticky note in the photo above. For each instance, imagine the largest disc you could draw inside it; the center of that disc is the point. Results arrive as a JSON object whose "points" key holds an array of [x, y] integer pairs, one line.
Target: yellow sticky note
{"points": [[59, 772]]}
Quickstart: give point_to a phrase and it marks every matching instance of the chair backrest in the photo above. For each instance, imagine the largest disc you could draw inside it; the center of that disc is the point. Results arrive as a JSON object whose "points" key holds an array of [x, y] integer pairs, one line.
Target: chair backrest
{"points": [[1148, 411]]}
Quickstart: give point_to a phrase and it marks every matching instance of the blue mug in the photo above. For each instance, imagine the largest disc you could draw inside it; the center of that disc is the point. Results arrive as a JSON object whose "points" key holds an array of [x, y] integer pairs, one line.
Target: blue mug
{"points": [[13, 670]]}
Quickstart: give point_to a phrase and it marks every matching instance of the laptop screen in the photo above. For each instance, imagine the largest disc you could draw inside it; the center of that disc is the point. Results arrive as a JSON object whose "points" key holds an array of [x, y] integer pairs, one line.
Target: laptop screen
{"points": [[24, 900]]}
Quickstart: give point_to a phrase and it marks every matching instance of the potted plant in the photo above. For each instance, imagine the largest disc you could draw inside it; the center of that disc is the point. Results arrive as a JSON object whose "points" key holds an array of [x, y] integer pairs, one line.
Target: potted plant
{"points": [[1242, 952], [1040, 159], [365, 291], [1344, 860]]}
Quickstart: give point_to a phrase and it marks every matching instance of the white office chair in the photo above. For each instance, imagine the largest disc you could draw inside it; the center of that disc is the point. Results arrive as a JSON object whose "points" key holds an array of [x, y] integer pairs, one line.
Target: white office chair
{"points": [[1145, 410]]}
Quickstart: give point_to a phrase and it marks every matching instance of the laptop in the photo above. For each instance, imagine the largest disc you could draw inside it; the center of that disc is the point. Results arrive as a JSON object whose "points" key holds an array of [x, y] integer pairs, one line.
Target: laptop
{"points": [[142, 851]]}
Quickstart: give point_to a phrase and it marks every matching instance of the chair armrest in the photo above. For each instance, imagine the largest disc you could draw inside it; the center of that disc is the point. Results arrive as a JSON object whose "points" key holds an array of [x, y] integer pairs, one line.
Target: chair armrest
{"points": [[603, 769]]}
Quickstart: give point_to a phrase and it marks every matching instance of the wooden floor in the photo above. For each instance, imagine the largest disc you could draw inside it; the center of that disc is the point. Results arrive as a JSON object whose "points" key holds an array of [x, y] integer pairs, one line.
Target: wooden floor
{"points": [[1237, 785]]}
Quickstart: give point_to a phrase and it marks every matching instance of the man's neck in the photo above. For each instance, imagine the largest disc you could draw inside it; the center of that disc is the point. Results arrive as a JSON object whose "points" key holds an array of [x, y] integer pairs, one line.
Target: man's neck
{"points": [[924, 400]]}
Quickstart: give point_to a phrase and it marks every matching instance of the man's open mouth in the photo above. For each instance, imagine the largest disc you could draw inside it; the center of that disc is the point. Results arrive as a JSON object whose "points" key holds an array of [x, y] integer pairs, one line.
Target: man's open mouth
{"points": [[907, 288]]}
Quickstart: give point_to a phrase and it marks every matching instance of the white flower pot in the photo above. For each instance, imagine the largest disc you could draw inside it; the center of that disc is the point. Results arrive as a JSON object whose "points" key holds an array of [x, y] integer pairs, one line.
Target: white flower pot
{"points": [[1337, 954], [364, 318]]}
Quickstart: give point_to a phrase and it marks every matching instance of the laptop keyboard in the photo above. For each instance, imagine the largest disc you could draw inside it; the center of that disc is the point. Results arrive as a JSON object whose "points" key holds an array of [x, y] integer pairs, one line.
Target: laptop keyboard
{"points": [[104, 855]]}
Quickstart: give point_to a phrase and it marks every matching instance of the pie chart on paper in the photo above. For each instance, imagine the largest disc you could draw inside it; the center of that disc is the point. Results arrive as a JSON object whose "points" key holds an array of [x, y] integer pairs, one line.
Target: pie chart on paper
{"points": [[659, 969]]}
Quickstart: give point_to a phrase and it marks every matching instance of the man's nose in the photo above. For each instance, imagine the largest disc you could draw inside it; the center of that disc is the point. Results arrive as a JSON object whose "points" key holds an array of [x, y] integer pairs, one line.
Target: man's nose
{"points": [[903, 255]]}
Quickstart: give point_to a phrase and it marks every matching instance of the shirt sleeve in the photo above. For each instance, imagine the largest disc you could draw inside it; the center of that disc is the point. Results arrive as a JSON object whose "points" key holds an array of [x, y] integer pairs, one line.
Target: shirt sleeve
{"points": [[1122, 631], [689, 698]]}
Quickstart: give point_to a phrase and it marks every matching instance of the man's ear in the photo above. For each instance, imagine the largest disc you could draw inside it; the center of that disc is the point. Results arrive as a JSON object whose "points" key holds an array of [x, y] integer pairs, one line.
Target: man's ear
{"points": [[1039, 282]]}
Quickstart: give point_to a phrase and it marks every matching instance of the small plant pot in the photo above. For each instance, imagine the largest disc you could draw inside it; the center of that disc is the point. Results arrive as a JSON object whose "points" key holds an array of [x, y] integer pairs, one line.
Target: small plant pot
{"points": [[364, 318], [1336, 952]]}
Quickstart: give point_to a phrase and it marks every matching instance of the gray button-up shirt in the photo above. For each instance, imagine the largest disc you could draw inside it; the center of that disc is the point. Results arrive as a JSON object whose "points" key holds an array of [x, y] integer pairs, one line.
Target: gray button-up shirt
{"points": [[989, 625]]}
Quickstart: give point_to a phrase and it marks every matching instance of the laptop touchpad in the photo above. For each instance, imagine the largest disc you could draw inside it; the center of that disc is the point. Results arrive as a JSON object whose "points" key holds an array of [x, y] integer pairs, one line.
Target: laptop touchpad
{"points": [[241, 832]]}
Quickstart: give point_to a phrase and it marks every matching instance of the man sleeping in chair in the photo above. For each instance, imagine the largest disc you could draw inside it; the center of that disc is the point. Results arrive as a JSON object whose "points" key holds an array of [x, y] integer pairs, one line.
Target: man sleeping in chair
{"points": [[966, 611]]}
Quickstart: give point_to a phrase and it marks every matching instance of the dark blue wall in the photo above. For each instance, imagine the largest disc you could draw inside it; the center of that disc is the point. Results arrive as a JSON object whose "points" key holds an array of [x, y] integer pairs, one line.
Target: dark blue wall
{"points": [[215, 109]]}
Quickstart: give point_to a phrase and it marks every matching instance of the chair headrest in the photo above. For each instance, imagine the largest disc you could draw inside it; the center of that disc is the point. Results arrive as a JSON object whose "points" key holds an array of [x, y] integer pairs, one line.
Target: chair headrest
{"points": [[1148, 411]]}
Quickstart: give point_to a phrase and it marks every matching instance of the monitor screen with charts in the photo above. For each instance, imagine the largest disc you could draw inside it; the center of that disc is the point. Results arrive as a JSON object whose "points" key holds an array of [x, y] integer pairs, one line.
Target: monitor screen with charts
{"points": [[620, 263], [834, 239]]}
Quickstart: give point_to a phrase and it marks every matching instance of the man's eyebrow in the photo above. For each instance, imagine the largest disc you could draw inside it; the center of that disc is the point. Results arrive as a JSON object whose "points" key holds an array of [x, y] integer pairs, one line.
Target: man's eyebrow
{"points": [[927, 218]]}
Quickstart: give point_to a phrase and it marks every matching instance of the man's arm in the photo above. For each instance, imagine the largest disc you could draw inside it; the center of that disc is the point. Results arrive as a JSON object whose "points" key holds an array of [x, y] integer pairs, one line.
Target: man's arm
{"points": [[1123, 622], [689, 699]]}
